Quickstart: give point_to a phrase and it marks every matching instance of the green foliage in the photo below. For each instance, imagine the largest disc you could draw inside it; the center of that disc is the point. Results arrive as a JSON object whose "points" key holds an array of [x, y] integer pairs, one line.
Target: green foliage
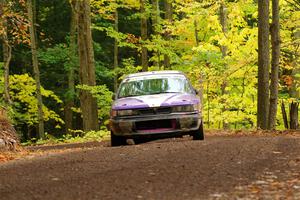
{"points": [[128, 68], [120, 37], [104, 99], [228, 83], [22, 92], [56, 55], [56, 63]]}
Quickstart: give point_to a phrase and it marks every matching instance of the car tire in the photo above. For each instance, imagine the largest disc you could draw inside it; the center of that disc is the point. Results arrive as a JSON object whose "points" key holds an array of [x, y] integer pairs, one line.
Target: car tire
{"points": [[199, 134], [117, 140]]}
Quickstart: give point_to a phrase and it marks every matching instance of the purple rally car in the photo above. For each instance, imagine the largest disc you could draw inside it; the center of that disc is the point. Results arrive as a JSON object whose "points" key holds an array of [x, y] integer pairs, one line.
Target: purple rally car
{"points": [[155, 104]]}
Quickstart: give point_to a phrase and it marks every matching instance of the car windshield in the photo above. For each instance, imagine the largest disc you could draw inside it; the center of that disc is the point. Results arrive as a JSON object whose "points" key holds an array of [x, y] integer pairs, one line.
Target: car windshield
{"points": [[154, 85]]}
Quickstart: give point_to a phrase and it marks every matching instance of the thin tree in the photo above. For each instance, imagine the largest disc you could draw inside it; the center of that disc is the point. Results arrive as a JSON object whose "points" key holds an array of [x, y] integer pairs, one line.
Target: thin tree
{"points": [[223, 22], [73, 65], [169, 19], [156, 27], [88, 103], [116, 50], [275, 41], [7, 49], [263, 64], [144, 35], [36, 70]]}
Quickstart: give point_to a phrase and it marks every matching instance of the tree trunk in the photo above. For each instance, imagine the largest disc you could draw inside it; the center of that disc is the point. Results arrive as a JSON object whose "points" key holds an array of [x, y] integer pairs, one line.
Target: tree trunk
{"points": [[155, 16], [294, 106], [34, 18], [144, 35], [6, 53], [196, 33], [223, 21], [169, 18], [284, 115], [275, 41], [116, 51], [36, 70], [201, 92], [208, 105], [263, 65], [6, 59], [156, 27], [73, 64], [87, 75]]}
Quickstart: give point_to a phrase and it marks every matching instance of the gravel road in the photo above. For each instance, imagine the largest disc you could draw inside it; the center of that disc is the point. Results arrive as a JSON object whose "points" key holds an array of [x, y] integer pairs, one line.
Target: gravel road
{"points": [[231, 167]]}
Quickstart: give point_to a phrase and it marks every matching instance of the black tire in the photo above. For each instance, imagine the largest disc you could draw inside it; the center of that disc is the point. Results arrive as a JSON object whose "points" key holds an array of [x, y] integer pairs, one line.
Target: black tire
{"points": [[117, 140], [199, 134]]}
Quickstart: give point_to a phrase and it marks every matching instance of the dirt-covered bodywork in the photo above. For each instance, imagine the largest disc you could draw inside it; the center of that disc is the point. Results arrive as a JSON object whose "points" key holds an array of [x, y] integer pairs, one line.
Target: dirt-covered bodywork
{"points": [[161, 103]]}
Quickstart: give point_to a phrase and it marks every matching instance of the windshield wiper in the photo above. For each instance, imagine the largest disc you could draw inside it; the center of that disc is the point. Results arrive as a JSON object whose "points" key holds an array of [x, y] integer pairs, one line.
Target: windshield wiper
{"points": [[127, 96], [147, 94], [163, 92]]}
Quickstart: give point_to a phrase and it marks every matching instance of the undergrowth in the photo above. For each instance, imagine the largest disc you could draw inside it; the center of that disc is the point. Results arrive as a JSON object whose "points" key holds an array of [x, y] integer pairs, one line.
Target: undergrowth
{"points": [[75, 137]]}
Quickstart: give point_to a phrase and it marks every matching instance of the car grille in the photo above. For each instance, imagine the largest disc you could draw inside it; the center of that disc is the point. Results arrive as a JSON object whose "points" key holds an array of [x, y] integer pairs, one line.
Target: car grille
{"points": [[152, 111]]}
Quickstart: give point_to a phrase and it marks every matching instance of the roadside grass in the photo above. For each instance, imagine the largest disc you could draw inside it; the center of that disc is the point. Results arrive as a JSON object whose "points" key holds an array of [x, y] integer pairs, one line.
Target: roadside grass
{"points": [[77, 136]]}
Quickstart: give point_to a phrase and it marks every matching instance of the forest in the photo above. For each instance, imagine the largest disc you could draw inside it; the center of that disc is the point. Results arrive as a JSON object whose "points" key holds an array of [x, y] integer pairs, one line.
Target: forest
{"points": [[62, 60]]}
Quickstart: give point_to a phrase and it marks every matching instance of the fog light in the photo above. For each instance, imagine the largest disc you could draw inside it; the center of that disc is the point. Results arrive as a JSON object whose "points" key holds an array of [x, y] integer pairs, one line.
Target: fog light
{"points": [[125, 127], [186, 122], [185, 108]]}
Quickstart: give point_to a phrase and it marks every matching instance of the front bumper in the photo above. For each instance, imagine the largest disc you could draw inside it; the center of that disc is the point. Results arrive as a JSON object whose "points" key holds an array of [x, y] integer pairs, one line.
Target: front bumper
{"points": [[177, 123]]}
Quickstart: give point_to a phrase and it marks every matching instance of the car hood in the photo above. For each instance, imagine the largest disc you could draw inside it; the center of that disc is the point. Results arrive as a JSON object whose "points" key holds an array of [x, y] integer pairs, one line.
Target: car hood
{"points": [[157, 100]]}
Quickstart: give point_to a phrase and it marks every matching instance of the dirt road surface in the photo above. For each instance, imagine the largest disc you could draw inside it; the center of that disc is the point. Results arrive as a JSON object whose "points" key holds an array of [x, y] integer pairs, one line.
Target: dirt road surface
{"points": [[229, 167]]}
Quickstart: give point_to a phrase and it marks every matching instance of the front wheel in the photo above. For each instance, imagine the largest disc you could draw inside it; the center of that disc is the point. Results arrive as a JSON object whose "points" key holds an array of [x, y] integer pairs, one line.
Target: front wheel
{"points": [[199, 134], [117, 140]]}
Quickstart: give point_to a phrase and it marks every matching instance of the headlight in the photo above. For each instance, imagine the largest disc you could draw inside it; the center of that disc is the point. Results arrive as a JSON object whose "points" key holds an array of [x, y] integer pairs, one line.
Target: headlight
{"points": [[187, 108], [124, 112]]}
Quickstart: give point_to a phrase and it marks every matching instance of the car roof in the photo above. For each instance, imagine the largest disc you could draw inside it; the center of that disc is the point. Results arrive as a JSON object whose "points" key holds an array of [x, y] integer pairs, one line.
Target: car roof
{"points": [[165, 72]]}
